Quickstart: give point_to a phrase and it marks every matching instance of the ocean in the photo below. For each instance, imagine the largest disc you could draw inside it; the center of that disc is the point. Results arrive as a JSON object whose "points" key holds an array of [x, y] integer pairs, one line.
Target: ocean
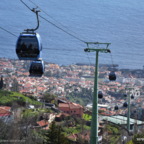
{"points": [[70, 23]]}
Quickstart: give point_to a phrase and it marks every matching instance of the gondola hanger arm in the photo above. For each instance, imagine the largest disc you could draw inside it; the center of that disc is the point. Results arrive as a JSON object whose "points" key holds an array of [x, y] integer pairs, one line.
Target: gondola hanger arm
{"points": [[37, 16]]}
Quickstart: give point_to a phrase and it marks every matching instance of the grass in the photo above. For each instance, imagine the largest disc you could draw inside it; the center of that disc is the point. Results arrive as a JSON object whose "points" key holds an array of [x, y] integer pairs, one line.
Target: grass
{"points": [[7, 98], [71, 130], [114, 133], [113, 129], [114, 139], [33, 112], [30, 113], [74, 130]]}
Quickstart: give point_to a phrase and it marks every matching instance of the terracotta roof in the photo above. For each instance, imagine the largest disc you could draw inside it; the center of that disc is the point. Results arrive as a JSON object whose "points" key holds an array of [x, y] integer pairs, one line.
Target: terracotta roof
{"points": [[5, 107], [70, 105], [62, 114], [104, 109], [42, 123], [4, 111]]}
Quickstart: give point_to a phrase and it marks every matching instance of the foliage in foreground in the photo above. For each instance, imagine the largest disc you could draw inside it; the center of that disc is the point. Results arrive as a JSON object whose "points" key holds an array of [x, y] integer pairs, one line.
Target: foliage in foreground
{"points": [[137, 139], [55, 136]]}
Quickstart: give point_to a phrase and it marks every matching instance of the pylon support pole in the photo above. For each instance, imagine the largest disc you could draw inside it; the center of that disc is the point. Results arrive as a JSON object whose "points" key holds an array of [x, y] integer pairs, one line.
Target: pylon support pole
{"points": [[94, 122]]}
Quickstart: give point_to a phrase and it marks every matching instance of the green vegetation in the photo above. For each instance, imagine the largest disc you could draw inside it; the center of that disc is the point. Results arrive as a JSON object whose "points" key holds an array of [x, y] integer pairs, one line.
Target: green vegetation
{"points": [[113, 129], [113, 134], [82, 97], [7, 98], [76, 100], [137, 139], [74, 125], [50, 98], [114, 139], [87, 117], [54, 135], [71, 130], [74, 130], [34, 112]]}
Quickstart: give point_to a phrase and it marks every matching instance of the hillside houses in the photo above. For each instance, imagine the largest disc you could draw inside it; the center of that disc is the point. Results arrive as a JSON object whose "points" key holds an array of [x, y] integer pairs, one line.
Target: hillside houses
{"points": [[64, 80], [61, 80], [71, 108]]}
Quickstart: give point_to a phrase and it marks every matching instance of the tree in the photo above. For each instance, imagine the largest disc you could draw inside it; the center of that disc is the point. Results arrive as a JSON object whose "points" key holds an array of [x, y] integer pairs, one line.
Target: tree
{"points": [[138, 139], [55, 135], [48, 97]]}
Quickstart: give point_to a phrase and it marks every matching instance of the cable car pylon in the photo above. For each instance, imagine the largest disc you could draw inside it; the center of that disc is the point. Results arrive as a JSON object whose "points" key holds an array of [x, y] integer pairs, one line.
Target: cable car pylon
{"points": [[94, 122]]}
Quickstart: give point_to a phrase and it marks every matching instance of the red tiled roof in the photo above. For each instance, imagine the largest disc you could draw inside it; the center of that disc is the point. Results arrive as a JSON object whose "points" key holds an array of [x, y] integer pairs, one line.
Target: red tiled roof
{"points": [[5, 111], [5, 107], [42, 123], [104, 109], [64, 114], [6, 114], [70, 105]]}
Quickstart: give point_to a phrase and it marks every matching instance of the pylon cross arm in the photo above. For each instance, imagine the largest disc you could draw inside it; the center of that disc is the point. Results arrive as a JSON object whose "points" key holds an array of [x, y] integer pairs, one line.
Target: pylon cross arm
{"points": [[97, 50]]}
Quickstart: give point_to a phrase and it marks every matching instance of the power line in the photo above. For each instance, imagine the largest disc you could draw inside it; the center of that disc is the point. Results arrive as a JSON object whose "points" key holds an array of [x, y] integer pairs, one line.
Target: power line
{"points": [[26, 5], [54, 24], [62, 29], [106, 59], [119, 54], [8, 32], [51, 16]]}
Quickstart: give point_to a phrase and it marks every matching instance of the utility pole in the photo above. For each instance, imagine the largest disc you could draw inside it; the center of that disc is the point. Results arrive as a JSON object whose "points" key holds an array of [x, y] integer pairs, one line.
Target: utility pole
{"points": [[94, 122], [128, 115], [129, 105]]}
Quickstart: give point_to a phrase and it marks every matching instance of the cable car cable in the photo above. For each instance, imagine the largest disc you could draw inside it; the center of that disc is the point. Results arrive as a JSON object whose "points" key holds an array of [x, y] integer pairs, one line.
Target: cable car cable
{"points": [[51, 17], [8, 32], [120, 54], [26, 5], [90, 57], [54, 24], [62, 29]]}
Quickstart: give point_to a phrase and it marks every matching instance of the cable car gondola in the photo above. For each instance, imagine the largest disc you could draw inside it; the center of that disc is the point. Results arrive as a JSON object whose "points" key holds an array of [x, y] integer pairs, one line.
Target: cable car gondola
{"points": [[116, 107], [36, 68], [132, 96], [100, 95], [112, 76], [29, 46], [125, 95], [125, 104]]}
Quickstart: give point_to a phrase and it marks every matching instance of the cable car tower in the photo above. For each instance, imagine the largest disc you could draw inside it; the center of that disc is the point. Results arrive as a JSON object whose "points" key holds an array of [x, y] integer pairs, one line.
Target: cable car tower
{"points": [[94, 122]]}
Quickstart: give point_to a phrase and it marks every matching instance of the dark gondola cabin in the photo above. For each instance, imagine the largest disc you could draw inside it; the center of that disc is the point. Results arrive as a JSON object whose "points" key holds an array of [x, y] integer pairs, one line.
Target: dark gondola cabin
{"points": [[116, 107], [125, 95], [132, 96], [125, 104], [29, 46], [100, 95], [112, 76], [36, 68]]}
